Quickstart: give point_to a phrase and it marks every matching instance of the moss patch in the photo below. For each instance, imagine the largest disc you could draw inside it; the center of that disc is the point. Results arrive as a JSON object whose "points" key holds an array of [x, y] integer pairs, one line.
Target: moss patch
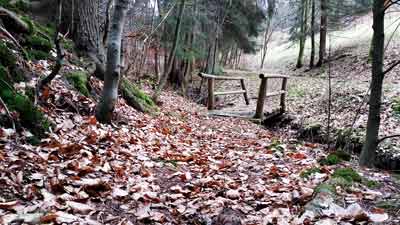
{"points": [[79, 80], [29, 116], [336, 158], [39, 43], [327, 188], [348, 174], [308, 172], [136, 97], [38, 54]]}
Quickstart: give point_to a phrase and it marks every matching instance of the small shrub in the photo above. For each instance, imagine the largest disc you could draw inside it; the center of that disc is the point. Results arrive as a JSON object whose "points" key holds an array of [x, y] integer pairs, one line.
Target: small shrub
{"points": [[348, 174], [79, 80], [308, 172]]}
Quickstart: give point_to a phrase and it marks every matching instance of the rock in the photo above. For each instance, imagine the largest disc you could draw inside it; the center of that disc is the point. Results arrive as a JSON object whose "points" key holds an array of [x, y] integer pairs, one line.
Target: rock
{"points": [[233, 194], [227, 217], [79, 208], [326, 222]]}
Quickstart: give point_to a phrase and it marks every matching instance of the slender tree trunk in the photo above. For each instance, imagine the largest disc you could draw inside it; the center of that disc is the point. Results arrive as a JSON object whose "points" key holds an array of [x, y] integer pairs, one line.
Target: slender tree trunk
{"points": [[323, 31], [368, 153], [312, 55], [109, 98], [171, 57], [265, 44], [303, 32]]}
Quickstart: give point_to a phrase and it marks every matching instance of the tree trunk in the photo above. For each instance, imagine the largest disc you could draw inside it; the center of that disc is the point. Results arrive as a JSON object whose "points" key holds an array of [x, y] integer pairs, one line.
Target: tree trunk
{"points": [[312, 55], [87, 36], [109, 98], [323, 32], [171, 57], [368, 153], [303, 32]]}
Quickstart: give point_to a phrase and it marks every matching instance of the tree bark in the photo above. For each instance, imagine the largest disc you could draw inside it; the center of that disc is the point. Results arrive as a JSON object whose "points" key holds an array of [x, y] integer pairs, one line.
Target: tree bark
{"points": [[109, 98], [368, 153], [323, 32], [87, 37], [312, 55]]}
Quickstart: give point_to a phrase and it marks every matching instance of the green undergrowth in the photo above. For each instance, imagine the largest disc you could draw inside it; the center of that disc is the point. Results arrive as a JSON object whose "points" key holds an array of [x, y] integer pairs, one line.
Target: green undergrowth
{"points": [[136, 97], [38, 43], [345, 178], [9, 72], [276, 145], [79, 80]]}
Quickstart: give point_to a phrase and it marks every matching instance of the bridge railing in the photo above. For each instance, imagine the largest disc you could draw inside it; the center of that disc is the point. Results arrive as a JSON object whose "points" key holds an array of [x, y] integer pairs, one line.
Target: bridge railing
{"points": [[212, 93], [263, 94]]}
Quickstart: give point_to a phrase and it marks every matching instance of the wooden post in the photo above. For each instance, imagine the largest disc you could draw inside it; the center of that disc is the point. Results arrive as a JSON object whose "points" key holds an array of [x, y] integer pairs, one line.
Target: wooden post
{"points": [[246, 97], [261, 97], [283, 96], [210, 93]]}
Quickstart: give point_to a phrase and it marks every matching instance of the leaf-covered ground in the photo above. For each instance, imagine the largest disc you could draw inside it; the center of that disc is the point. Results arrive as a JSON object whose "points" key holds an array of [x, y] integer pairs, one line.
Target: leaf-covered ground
{"points": [[178, 166]]}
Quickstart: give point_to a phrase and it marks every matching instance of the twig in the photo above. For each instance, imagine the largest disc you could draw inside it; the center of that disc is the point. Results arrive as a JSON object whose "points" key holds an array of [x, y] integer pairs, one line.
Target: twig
{"points": [[391, 67], [60, 52], [8, 112], [162, 21], [388, 137], [5, 31]]}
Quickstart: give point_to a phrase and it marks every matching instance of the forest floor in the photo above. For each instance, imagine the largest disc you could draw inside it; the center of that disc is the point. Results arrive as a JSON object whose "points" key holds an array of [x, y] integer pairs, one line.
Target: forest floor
{"points": [[178, 166]]}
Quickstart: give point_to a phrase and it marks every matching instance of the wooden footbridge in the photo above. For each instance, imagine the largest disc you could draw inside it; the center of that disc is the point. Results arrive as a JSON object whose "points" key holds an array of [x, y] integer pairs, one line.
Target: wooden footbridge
{"points": [[270, 86]]}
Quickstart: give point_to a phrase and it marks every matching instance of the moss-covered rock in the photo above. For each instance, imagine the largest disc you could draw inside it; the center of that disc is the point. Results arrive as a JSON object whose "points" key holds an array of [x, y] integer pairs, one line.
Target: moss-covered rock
{"points": [[136, 97], [79, 80]]}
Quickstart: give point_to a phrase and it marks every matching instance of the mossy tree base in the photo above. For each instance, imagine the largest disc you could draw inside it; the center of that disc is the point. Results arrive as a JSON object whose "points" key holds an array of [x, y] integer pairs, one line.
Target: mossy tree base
{"points": [[136, 97]]}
